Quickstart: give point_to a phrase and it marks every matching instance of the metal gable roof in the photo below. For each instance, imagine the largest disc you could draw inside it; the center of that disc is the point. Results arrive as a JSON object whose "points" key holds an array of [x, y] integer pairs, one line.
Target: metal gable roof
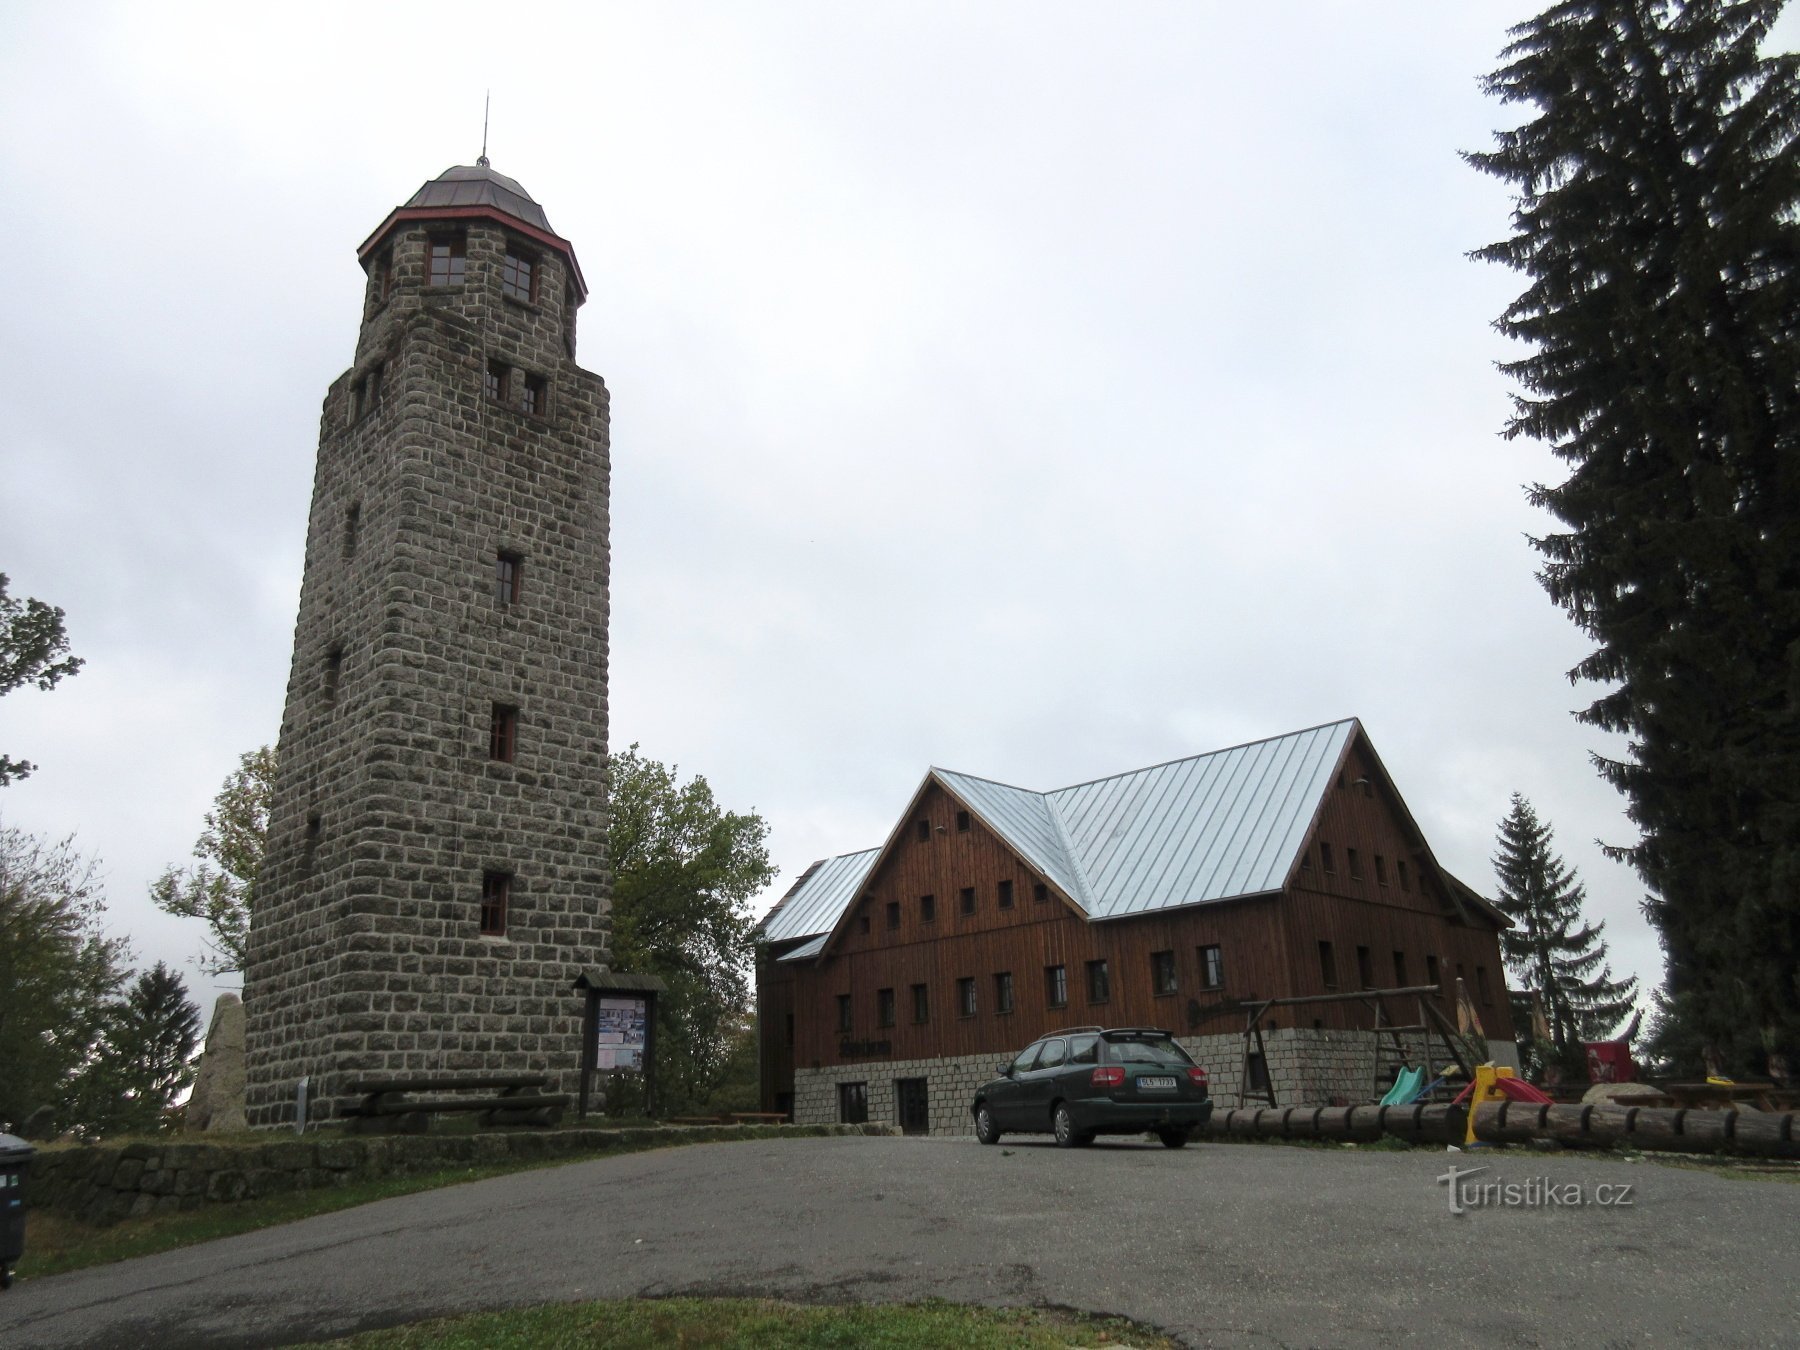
{"points": [[1212, 827], [818, 898]]}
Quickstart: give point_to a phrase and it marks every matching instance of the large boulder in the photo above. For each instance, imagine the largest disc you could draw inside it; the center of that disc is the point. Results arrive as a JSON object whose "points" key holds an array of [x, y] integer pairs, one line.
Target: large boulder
{"points": [[217, 1102]]}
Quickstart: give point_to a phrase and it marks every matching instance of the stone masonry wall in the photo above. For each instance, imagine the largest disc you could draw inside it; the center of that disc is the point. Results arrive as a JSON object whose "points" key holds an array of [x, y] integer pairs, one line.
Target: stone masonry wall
{"points": [[366, 954], [102, 1185], [1306, 1067]]}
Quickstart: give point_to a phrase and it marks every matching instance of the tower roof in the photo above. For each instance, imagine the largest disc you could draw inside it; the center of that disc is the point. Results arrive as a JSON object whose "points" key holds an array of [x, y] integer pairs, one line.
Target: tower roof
{"points": [[476, 191], [479, 185]]}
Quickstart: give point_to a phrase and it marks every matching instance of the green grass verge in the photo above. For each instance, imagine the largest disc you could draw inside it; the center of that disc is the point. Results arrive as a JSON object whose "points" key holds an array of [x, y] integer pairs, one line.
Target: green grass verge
{"points": [[55, 1243], [761, 1324]]}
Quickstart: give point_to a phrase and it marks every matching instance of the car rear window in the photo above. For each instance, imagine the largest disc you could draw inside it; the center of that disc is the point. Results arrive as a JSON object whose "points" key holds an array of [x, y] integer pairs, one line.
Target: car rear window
{"points": [[1144, 1050]]}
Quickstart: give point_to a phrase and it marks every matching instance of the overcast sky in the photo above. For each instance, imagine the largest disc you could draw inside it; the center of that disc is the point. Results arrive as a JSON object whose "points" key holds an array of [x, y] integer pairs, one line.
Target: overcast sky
{"points": [[1036, 390]]}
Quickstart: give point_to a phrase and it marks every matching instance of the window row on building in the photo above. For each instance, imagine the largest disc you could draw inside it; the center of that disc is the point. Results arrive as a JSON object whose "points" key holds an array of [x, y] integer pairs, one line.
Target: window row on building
{"points": [[1097, 981], [968, 903], [1328, 864], [1402, 972]]}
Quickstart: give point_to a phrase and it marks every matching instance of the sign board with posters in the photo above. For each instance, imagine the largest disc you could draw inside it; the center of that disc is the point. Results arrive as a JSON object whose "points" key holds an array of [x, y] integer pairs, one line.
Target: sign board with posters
{"points": [[621, 1028], [618, 1031]]}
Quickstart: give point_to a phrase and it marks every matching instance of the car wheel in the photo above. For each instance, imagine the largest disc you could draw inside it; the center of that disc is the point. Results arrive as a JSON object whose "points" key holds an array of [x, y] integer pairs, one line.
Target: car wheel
{"points": [[985, 1129], [1174, 1137], [1062, 1124]]}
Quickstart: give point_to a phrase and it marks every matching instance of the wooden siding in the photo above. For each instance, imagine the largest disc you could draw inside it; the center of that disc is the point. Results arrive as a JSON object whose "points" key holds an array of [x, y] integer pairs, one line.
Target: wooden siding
{"points": [[1269, 944]]}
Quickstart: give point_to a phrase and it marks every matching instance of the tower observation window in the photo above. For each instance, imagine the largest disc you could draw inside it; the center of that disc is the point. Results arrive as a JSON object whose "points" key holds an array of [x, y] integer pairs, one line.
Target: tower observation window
{"points": [[445, 255]]}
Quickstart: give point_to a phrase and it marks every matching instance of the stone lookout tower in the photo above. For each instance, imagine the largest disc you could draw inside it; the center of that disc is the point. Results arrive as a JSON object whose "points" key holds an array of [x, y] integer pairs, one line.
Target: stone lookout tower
{"points": [[436, 873]]}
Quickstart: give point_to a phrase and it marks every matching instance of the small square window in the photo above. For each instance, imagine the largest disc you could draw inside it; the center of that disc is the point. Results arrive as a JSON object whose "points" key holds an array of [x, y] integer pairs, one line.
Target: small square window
{"points": [[1006, 894], [509, 577], [535, 401], [1212, 967], [962, 822], [1003, 992], [1162, 972], [1325, 858], [1355, 864], [965, 899], [1400, 871], [927, 908], [445, 260], [921, 1001], [884, 1007], [922, 828], [496, 892], [1328, 967], [844, 1013], [497, 381], [1306, 861], [1400, 970], [1099, 982], [503, 733], [965, 996], [1365, 969], [862, 923], [1380, 870], [893, 914], [518, 276], [1040, 893], [1431, 970], [1056, 986]]}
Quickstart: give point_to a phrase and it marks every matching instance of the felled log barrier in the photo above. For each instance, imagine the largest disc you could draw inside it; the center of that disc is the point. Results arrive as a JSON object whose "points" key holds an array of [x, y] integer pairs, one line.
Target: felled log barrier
{"points": [[1761, 1133]]}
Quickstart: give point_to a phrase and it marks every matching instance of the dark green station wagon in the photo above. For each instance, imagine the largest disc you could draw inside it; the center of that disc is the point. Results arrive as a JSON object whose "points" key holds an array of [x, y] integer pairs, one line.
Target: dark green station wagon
{"points": [[1083, 1081]]}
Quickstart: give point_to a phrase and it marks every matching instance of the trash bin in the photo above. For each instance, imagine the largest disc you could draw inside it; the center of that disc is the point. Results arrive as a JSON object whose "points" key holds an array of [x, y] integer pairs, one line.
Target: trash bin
{"points": [[15, 1157]]}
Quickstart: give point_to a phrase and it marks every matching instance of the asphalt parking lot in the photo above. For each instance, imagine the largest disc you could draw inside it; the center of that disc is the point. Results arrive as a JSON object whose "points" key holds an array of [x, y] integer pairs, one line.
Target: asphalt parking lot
{"points": [[1220, 1244]]}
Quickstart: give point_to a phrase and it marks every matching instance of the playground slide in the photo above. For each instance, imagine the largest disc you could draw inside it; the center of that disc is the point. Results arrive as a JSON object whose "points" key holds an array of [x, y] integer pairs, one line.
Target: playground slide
{"points": [[1409, 1085]]}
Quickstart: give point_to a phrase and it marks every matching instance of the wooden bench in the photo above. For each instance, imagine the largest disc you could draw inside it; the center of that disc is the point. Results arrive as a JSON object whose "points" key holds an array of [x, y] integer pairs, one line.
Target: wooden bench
{"points": [[389, 1106]]}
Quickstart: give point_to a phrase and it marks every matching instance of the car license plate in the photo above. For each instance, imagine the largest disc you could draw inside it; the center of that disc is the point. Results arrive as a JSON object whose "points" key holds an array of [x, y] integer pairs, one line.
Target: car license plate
{"points": [[1147, 1083]]}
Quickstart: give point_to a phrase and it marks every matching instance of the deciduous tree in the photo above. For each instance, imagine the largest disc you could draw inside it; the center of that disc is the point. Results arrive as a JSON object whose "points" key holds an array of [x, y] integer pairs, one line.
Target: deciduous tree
{"points": [[59, 975], [1658, 219], [684, 873], [33, 650], [221, 887]]}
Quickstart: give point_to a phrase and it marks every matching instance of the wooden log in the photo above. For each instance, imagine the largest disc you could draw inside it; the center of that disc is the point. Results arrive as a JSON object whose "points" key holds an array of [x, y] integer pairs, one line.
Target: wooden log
{"points": [[1766, 1133], [1300, 1122], [1363, 1123], [1707, 1131], [1241, 1121], [415, 1123]]}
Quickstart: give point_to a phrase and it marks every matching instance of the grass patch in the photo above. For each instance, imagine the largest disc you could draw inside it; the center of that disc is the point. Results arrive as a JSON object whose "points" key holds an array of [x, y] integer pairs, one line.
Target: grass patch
{"points": [[753, 1324], [55, 1243]]}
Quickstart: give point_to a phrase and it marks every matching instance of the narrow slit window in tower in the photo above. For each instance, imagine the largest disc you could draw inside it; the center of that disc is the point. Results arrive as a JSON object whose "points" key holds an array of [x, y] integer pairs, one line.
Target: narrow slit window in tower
{"points": [[496, 891]]}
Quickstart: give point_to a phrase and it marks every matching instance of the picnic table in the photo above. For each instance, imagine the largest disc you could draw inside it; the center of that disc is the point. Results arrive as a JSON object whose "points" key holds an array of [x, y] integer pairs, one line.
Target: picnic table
{"points": [[1761, 1093], [393, 1106]]}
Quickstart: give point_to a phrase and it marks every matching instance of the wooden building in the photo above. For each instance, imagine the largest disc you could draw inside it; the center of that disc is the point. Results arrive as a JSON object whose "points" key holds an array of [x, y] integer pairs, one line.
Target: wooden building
{"points": [[891, 981]]}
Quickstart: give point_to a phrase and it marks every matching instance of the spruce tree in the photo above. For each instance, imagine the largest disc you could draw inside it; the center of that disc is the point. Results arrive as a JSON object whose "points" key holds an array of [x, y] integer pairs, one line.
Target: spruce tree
{"points": [[1552, 949], [1658, 219]]}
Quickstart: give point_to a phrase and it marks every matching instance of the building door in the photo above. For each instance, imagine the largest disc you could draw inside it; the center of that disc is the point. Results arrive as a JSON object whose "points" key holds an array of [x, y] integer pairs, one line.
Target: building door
{"points": [[911, 1105]]}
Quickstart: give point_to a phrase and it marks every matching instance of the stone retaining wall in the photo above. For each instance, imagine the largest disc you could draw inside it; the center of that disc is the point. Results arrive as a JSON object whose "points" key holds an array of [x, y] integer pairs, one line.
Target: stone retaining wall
{"points": [[1311, 1066], [104, 1184]]}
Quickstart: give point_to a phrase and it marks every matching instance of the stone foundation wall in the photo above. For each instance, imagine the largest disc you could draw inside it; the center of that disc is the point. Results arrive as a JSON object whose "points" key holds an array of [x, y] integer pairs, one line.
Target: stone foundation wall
{"points": [[104, 1184], [1305, 1066]]}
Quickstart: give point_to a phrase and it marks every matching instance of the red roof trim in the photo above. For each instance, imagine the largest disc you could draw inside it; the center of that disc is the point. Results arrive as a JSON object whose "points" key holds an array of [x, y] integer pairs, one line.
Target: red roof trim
{"points": [[479, 212]]}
